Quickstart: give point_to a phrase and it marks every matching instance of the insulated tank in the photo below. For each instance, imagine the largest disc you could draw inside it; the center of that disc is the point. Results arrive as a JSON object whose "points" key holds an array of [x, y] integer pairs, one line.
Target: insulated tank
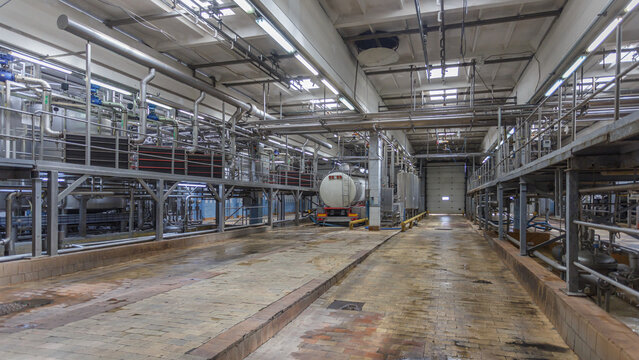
{"points": [[341, 190]]}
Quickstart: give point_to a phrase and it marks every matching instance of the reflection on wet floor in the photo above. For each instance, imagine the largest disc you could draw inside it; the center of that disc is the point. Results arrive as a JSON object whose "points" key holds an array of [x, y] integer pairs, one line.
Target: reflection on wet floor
{"points": [[105, 282], [426, 294]]}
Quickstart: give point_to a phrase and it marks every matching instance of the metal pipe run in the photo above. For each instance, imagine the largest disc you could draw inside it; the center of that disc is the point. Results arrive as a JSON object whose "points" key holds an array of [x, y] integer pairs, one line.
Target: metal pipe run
{"points": [[150, 58], [620, 187], [196, 122], [142, 108], [612, 282], [45, 120], [633, 232]]}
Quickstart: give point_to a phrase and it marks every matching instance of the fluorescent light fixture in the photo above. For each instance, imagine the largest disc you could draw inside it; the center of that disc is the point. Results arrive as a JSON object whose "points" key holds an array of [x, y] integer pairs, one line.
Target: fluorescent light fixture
{"points": [[325, 159], [347, 103], [40, 62], [159, 104], [227, 12], [604, 35], [631, 6], [574, 67], [554, 87], [511, 132], [445, 198], [329, 86], [192, 185], [276, 35], [486, 159], [245, 5], [186, 112], [110, 87], [307, 64]]}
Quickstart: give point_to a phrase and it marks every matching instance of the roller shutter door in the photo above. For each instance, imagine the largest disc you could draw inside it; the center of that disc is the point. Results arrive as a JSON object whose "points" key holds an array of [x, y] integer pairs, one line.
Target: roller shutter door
{"points": [[445, 188]]}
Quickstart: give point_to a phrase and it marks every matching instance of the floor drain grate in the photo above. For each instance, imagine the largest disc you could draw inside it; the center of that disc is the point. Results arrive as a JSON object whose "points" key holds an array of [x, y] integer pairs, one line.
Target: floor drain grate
{"points": [[346, 305], [443, 229], [482, 282], [20, 305]]}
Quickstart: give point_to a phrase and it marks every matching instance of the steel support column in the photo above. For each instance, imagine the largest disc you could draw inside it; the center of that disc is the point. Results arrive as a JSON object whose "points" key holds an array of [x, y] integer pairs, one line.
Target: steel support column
{"points": [[36, 215], [52, 213], [82, 212], [159, 211], [220, 208], [500, 206], [485, 211], [297, 195], [523, 217], [131, 210], [269, 199], [572, 236], [374, 181]]}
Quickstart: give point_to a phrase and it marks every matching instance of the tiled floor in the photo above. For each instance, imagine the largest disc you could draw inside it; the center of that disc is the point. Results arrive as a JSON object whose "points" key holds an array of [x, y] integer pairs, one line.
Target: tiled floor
{"points": [[163, 305], [435, 292]]}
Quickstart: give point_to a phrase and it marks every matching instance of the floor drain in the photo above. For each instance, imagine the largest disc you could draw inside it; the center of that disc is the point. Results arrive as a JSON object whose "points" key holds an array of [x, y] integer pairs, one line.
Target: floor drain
{"points": [[20, 305], [482, 282], [443, 229], [346, 305]]}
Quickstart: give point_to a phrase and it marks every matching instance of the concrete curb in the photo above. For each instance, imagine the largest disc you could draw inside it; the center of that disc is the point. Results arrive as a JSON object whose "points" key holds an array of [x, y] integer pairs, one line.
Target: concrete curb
{"points": [[587, 329]]}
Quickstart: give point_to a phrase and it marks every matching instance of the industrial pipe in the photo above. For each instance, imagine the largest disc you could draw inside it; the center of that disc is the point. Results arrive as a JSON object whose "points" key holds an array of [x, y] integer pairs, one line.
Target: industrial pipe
{"points": [[142, 108], [45, 119], [150, 58], [196, 122], [9, 246]]}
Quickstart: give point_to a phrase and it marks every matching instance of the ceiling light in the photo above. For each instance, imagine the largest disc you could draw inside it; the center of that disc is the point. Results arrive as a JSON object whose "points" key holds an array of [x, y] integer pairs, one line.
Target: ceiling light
{"points": [[604, 34], [329, 86], [346, 103], [574, 67], [554, 87], [227, 12], [192, 185], [279, 38], [308, 65], [205, 14], [631, 6], [40, 62], [245, 5], [110, 87], [159, 104]]}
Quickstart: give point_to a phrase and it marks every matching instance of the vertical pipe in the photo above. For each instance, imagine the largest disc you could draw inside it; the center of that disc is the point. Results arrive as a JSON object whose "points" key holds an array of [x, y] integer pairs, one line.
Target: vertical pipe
{"points": [[500, 142], [618, 71], [52, 213], [500, 201], [572, 236], [220, 210], [159, 211], [6, 119], [36, 214], [82, 227], [523, 217], [270, 207], [574, 104], [374, 181], [87, 154], [131, 210]]}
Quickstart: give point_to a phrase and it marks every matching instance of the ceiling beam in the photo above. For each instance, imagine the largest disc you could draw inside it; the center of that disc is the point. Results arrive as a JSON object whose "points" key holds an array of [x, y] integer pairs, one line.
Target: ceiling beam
{"points": [[467, 24], [419, 68], [239, 61], [138, 19]]}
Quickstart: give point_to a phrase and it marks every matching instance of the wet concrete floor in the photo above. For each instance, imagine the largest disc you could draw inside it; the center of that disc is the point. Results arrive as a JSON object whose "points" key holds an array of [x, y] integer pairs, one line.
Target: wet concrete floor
{"points": [[437, 291], [167, 303]]}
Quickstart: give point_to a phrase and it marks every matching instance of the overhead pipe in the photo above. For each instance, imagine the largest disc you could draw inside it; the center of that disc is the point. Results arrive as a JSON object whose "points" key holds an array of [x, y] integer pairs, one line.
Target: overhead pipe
{"points": [[142, 108], [150, 58], [45, 119], [196, 122], [423, 37]]}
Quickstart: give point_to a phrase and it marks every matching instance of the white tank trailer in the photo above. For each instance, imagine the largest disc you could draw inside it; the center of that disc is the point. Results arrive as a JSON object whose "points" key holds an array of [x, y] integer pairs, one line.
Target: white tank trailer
{"points": [[343, 196]]}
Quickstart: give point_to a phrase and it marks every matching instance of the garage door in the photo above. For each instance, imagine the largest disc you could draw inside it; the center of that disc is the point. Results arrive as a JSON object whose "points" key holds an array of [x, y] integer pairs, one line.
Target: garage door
{"points": [[445, 188]]}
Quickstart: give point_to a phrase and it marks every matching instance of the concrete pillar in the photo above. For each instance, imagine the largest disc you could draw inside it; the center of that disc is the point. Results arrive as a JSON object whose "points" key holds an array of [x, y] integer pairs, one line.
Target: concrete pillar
{"points": [[220, 208], [523, 217], [52, 213], [36, 215], [159, 211], [500, 206], [374, 182], [572, 236]]}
